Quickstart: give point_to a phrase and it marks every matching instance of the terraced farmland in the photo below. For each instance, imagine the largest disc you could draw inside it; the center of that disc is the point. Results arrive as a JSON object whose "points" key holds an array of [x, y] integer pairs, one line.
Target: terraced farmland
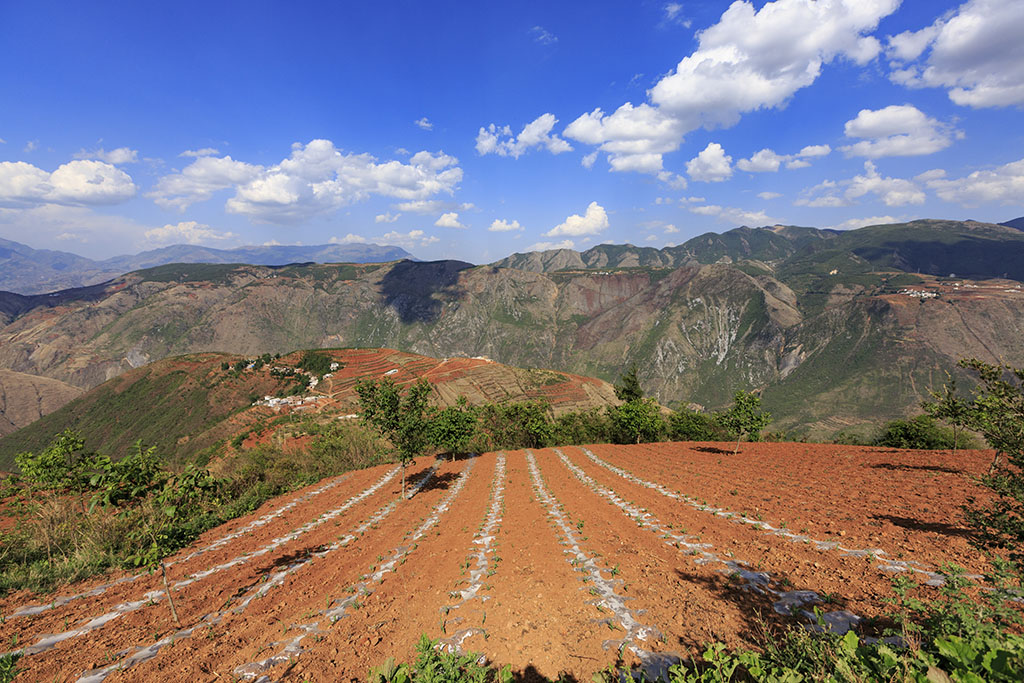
{"points": [[549, 560]]}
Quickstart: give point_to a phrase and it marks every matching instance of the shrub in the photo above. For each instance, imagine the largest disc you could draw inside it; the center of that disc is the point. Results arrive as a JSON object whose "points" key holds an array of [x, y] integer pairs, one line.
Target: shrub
{"points": [[921, 432], [745, 417], [636, 421], [580, 427], [690, 425], [315, 363]]}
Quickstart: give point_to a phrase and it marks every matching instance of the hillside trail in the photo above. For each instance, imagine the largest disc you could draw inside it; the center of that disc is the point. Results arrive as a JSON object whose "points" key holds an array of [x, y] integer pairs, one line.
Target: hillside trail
{"points": [[554, 561]]}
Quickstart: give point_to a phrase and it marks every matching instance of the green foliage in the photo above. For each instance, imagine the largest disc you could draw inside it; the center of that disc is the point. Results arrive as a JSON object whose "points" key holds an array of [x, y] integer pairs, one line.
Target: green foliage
{"points": [[133, 477], [315, 363], [453, 428], [9, 666], [61, 465], [628, 387], [582, 427], [745, 417], [400, 418], [636, 421], [921, 432], [435, 666], [525, 424], [690, 425]]}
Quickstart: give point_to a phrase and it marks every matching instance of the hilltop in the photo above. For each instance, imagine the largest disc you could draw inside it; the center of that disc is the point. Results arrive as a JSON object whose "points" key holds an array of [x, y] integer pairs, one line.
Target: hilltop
{"points": [[187, 405], [836, 329]]}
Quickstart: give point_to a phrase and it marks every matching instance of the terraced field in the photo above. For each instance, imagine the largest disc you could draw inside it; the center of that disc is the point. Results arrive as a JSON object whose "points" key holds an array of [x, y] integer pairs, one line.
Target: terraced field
{"points": [[549, 560]]}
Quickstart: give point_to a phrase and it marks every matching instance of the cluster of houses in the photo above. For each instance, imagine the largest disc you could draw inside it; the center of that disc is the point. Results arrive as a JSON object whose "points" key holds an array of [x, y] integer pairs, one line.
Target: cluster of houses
{"points": [[919, 293]]}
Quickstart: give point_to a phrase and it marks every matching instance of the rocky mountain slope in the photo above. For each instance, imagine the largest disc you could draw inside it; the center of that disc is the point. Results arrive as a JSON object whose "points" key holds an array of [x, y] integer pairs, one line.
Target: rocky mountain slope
{"points": [[26, 398], [34, 271], [834, 336]]}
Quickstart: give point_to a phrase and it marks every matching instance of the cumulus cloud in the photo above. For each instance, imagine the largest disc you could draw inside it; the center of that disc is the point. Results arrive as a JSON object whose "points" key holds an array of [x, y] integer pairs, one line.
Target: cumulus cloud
{"points": [[315, 179], [412, 238], [121, 155], [187, 232], [814, 151], [425, 206], [891, 191], [545, 246], [505, 226], [855, 223], [350, 238], [764, 161], [768, 195], [670, 229], [449, 220], [733, 215], [635, 138], [1003, 184], [588, 160], [593, 221], [386, 217], [424, 123], [712, 165], [975, 53], [537, 133], [896, 131], [204, 152], [673, 180], [80, 182]]}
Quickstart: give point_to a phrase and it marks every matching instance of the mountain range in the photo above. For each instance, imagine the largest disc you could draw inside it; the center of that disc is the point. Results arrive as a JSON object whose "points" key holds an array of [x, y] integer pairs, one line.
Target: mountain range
{"points": [[35, 271], [836, 329]]}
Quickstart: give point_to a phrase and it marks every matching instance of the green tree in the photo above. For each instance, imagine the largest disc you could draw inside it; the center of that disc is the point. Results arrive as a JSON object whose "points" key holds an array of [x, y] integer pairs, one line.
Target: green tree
{"points": [[951, 408], [452, 428], [401, 419], [525, 424], [628, 387], [744, 417], [919, 432], [690, 425], [636, 421], [315, 363], [998, 414]]}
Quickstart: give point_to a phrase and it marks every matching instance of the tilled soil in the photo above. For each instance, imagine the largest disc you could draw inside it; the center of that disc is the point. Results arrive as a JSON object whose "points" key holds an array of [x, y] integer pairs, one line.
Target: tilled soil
{"points": [[552, 561]]}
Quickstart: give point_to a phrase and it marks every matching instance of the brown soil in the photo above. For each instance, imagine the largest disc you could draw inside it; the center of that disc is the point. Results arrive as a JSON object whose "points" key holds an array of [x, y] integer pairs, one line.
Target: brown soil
{"points": [[534, 609]]}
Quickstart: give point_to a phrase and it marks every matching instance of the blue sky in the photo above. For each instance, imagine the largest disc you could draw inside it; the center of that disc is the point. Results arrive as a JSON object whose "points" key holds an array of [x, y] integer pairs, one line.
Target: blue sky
{"points": [[474, 130]]}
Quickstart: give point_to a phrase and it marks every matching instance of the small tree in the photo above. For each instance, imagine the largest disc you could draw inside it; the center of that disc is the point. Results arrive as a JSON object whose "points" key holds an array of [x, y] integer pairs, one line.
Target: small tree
{"points": [[745, 417], [635, 421], [951, 408], [628, 387], [399, 418], [452, 428]]}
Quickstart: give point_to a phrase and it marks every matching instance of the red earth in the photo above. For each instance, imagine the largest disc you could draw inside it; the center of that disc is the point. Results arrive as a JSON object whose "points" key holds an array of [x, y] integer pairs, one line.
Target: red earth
{"points": [[552, 560]]}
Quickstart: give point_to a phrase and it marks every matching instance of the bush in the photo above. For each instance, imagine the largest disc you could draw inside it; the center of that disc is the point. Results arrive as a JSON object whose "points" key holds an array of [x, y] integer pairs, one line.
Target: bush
{"points": [[315, 363], [690, 425], [921, 432], [636, 421], [517, 425], [581, 427]]}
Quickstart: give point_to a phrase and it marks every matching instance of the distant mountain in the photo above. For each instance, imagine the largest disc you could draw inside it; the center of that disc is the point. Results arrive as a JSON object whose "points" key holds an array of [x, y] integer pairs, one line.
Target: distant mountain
{"points": [[1015, 223], [932, 247], [25, 270]]}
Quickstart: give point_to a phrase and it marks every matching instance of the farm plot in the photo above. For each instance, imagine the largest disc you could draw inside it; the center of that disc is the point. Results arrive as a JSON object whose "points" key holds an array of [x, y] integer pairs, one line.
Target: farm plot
{"points": [[550, 560]]}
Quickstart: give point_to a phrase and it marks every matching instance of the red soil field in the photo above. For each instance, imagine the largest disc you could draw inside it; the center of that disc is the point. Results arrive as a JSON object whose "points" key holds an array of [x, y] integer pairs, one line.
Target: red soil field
{"points": [[552, 560]]}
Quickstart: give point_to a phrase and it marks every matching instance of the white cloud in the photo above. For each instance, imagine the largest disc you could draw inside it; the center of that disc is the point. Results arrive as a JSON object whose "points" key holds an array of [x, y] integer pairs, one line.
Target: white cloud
{"points": [[592, 222], [634, 137], [350, 238], [892, 191], [732, 215], [409, 239], [99, 234], [386, 217], [673, 180], [976, 53], [671, 229], [204, 152], [449, 220], [426, 206], [794, 164], [424, 123], [121, 155], [187, 232], [537, 133], [315, 179], [855, 223], [814, 151], [3, 142], [896, 130], [768, 195], [505, 226], [543, 36], [764, 161], [30, 146], [588, 160], [712, 165], [76, 182], [545, 246], [1003, 184]]}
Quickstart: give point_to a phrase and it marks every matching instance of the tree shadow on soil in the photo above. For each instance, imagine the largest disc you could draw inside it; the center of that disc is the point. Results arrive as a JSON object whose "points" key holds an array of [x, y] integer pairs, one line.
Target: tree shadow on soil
{"points": [[918, 525], [910, 468], [531, 675], [753, 609], [440, 481], [409, 288], [712, 449]]}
